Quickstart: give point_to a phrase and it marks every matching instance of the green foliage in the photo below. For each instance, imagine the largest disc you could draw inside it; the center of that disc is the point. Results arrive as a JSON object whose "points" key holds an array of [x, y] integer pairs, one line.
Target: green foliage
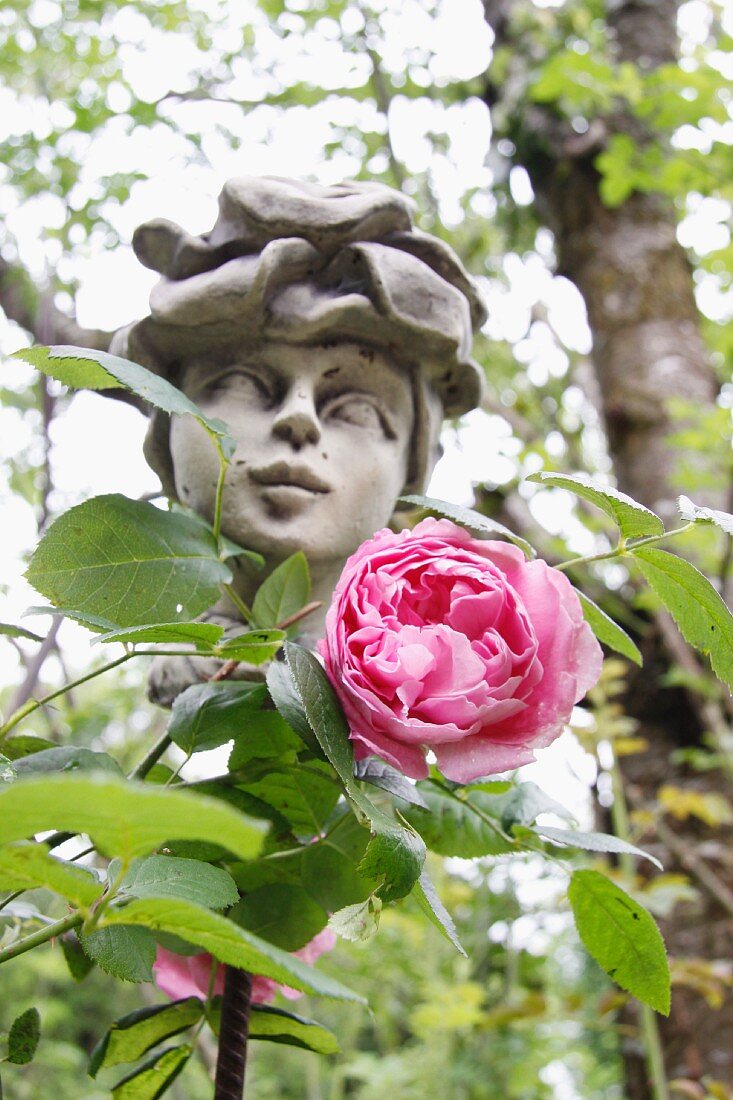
{"points": [[133, 1035], [277, 1026], [24, 1037], [128, 561], [168, 876], [282, 913], [695, 514], [28, 866], [594, 842], [123, 819], [125, 953], [19, 632], [700, 613], [607, 631], [622, 937], [633, 519], [152, 1078], [284, 592], [468, 517], [205, 716]]}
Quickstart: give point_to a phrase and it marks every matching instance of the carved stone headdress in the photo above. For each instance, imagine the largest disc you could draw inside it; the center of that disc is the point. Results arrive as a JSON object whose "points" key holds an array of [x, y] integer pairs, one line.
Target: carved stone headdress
{"points": [[305, 264]]}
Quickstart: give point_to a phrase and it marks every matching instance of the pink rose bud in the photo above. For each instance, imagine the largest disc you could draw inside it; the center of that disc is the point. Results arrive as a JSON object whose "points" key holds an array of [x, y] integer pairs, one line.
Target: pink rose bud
{"points": [[439, 641], [189, 975]]}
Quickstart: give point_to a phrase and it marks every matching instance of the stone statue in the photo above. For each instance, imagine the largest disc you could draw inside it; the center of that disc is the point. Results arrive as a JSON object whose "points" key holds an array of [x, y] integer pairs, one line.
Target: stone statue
{"points": [[333, 338]]}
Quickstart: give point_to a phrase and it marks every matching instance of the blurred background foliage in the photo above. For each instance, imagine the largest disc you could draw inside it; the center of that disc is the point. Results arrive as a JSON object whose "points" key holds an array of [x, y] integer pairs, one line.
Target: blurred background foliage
{"points": [[532, 136]]}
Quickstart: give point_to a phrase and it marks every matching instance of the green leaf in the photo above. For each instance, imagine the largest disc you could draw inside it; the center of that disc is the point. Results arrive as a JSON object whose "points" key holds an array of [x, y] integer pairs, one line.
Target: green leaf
{"points": [[29, 866], [700, 613], [128, 561], [255, 646], [469, 517], [285, 591], [427, 898], [125, 953], [278, 1026], [19, 632], [622, 937], [520, 805], [694, 513], [95, 623], [267, 736], [171, 877], [67, 758], [205, 716], [453, 826], [322, 709], [305, 795], [357, 923], [152, 1078], [25, 1032], [607, 631], [133, 1035], [202, 635], [77, 960], [25, 744], [228, 943], [633, 519], [394, 857], [594, 842], [123, 819], [375, 771], [328, 868], [285, 697], [84, 368], [281, 913]]}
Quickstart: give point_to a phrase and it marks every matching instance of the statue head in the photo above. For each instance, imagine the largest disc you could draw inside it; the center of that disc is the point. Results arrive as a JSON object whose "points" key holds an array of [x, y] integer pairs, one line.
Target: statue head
{"points": [[330, 335]]}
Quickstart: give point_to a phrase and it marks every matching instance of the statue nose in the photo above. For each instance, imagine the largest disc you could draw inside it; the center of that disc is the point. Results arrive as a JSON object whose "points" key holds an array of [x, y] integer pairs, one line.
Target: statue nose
{"points": [[297, 422]]}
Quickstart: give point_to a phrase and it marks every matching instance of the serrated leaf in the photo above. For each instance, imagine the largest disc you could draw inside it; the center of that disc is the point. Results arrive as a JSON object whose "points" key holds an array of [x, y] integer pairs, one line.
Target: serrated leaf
{"points": [[521, 804], [29, 866], [84, 368], [129, 562], [394, 857], [172, 877], [133, 1035], [594, 842], [633, 519], [694, 513], [95, 623], [281, 913], [304, 795], [125, 953], [67, 758], [152, 1078], [77, 960], [267, 736], [375, 771], [25, 1032], [703, 618], [201, 635], [622, 937], [278, 1026], [254, 646], [328, 871], [205, 716], [457, 827], [607, 631], [123, 819], [228, 943], [469, 517], [427, 898], [19, 632], [285, 697], [359, 922], [285, 591], [322, 709]]}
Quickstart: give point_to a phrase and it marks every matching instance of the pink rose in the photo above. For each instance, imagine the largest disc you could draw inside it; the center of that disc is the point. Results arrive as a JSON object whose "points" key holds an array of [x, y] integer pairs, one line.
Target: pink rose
{"points": [[189, 975], [436, 640]]}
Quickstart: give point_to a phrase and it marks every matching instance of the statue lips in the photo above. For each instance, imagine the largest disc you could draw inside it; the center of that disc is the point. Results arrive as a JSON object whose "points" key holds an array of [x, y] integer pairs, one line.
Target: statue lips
{"points": [[288, 487]]}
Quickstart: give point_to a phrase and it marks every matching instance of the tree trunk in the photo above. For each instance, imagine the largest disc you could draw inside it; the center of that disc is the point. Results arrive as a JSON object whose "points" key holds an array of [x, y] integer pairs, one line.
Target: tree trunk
{"points": [[647, 348]]}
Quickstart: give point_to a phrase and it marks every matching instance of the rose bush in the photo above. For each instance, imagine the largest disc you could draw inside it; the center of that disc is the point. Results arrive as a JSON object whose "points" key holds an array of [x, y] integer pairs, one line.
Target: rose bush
{"points": [[439, 641], [189, 975]]}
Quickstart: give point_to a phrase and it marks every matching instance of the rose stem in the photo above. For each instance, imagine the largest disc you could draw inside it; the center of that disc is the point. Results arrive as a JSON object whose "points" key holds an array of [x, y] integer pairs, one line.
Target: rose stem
{"points": [[233, 1032]]}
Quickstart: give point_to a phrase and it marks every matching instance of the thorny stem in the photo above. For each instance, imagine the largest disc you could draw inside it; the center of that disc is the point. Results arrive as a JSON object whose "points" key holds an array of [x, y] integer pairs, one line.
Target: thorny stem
{"points": [[653, 1055], [42, 936], [625, 547]]}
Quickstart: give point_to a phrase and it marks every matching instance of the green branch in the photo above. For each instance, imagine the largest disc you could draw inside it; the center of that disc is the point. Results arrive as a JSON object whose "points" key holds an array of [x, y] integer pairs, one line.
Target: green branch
{"points": [[625, 547], [50, 932]]}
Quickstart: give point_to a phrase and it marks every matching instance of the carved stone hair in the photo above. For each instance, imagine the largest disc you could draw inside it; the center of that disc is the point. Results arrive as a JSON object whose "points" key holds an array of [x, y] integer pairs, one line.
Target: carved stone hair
{"points": [[307, 264]]}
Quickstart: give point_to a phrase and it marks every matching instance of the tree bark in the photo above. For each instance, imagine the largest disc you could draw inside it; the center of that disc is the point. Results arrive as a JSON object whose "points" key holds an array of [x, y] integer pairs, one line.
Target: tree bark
{"points": [[647, 348]]}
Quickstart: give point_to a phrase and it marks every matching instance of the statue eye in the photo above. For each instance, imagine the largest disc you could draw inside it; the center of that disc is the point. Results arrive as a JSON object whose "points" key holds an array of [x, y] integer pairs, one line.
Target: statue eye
{"points": [[241, 386], [358, 410]]}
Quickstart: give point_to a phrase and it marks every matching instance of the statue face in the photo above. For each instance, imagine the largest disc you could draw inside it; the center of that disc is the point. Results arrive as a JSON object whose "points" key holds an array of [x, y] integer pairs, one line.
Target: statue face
{"points": [[323, 439]]}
